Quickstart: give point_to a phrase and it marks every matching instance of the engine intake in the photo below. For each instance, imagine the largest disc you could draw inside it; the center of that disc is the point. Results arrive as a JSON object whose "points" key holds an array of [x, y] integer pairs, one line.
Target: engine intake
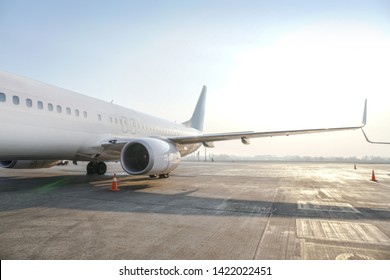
{"points": [[149, 156]]}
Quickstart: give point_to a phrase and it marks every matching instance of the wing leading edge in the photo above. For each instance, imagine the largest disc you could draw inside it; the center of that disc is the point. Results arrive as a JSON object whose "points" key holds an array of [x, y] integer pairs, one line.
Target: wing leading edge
{"points": [[246, 135]]}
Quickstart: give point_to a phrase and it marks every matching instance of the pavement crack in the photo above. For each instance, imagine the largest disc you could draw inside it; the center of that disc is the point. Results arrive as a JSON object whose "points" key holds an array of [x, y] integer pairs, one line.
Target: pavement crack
{"points": [[266, 226]]}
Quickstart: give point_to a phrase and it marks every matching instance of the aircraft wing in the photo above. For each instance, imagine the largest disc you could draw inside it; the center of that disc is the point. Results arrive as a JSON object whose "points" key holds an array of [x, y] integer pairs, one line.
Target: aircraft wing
{"points": [[246, 135], [207, 139]]}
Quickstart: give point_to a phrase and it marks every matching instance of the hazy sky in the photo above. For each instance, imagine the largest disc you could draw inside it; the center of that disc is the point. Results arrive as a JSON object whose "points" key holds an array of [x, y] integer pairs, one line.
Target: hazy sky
{"points": [[268, 65]]}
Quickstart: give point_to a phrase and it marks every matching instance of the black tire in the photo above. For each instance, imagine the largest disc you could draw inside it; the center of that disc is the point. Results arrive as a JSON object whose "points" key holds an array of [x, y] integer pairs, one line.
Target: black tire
{"points": [[163, 176], [91, 168], [101, 168]]}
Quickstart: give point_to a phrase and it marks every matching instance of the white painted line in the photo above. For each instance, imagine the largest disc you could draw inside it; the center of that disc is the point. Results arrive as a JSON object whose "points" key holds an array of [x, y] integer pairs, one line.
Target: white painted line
{"points": [[327, 206], [341, 231]]}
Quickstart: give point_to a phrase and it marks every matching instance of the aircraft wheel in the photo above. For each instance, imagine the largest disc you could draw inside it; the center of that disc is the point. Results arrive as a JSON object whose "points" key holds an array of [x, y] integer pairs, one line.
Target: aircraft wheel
{"points": [[91, 168], [101, 168], [163, 176]]}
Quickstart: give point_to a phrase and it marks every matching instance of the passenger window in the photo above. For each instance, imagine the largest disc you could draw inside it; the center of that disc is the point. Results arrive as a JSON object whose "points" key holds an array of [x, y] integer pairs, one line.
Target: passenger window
{"points": [[2, 97], [68, 111], [77, 112], [110, 119], [50, 107], [59, 109], [15, 100], [29, 103], [40, 105], [85, 114], [99, 117]]}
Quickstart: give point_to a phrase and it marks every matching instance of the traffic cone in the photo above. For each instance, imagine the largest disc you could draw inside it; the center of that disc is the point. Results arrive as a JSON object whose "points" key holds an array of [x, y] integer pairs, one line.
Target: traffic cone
{"points": [[373, 176], [114, 186]]}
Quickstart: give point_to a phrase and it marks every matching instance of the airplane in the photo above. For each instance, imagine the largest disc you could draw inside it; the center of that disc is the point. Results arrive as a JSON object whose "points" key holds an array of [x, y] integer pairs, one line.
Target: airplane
{"points": [[42, 125]]}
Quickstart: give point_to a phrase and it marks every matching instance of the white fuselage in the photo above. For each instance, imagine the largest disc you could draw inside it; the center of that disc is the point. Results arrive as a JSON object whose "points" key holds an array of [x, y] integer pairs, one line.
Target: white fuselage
{"points": [[43, 122]]}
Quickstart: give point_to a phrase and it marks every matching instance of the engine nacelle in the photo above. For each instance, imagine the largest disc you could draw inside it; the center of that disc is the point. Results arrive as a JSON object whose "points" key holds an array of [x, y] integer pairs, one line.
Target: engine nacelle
{"points": [[149, 156], [28, 164]]}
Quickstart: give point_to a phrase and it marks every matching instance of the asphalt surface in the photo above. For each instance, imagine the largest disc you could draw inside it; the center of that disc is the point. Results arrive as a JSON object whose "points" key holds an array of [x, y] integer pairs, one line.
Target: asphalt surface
{"points": [[203, 211]]}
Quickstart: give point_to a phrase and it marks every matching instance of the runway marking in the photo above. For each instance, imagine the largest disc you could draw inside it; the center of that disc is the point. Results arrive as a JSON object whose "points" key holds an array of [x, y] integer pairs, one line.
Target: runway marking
{"points": [[341, 231], [319, 251], [327, 206], [353, 256]]}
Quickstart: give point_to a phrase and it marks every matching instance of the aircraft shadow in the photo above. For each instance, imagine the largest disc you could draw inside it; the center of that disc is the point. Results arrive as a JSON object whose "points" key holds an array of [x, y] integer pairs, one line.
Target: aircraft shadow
{"points": [[143, 195]]}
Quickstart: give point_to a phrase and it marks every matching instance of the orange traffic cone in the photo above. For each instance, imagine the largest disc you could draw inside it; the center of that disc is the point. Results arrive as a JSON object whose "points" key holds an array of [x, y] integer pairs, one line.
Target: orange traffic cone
{"points": [[373, 176], [114, 186]]}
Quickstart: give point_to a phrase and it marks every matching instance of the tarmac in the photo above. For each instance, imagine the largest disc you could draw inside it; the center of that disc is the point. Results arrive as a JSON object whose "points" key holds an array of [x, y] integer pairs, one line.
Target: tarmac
{"points": [[219, 210]]}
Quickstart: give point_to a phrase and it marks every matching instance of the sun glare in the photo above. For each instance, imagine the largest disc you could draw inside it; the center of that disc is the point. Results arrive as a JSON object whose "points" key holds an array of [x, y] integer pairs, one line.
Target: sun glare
{"points": [[307, 73]]}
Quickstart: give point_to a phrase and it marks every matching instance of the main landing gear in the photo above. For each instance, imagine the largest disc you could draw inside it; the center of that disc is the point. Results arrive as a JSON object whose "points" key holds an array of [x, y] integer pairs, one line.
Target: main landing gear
{"points": [[96, 167], [159, 176], [100, 168]]}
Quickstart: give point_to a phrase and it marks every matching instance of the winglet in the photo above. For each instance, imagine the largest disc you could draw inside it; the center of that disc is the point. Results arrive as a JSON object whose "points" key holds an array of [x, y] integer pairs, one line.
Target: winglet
{"points": [[197, 118], [365, 113], [365, 136], [373, 142]]}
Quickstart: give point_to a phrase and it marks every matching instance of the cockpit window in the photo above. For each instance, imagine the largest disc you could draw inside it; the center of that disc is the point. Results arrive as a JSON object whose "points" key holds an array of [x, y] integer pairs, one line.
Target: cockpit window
{"points": [[2, 97]]}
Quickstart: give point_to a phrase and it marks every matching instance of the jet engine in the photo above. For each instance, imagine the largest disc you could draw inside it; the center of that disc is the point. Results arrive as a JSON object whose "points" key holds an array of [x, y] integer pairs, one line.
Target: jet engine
{"points": [[149, 156], [28, 164]]}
